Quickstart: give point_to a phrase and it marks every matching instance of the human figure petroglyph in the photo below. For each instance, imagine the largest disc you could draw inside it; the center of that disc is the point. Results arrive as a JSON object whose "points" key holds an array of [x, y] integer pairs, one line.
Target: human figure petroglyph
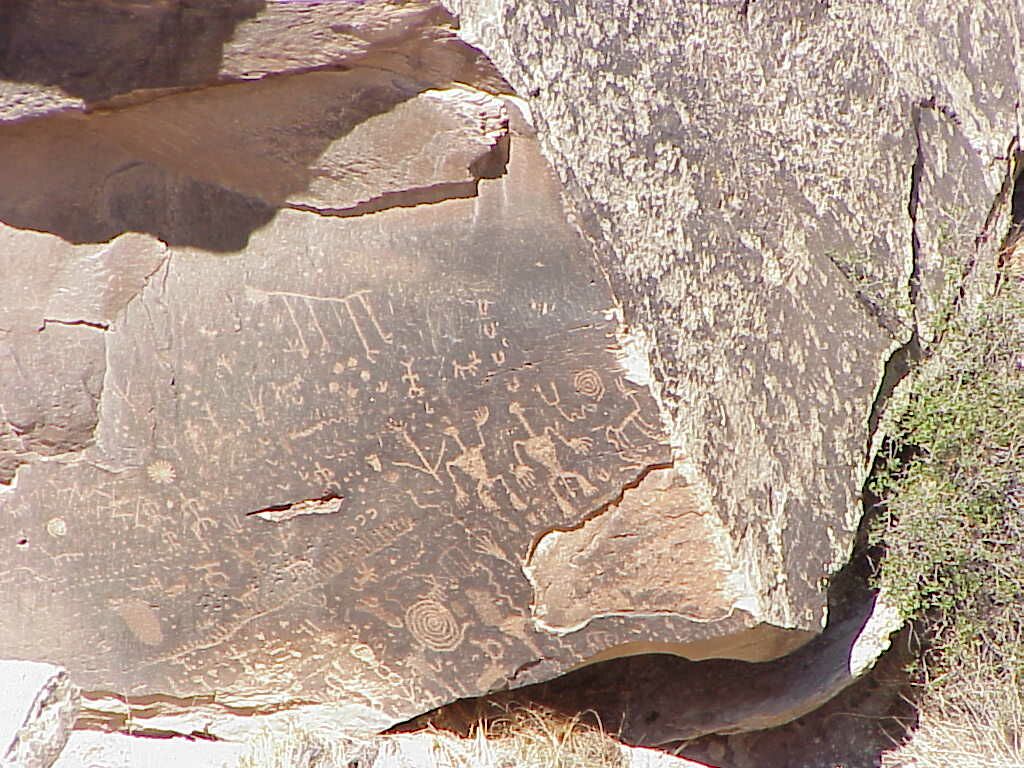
{"points": [[412, 379], [541, 448], [471, 461]]}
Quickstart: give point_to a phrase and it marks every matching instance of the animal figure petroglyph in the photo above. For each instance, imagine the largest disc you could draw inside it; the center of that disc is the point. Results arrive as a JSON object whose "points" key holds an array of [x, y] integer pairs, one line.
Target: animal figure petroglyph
{"points": [[542, 449], [619, 436], [471, 461]]}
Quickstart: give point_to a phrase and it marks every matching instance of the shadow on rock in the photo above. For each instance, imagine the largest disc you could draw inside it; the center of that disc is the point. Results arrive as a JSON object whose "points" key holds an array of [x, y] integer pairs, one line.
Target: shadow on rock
{"points": [[665, 701], [96, 50]]}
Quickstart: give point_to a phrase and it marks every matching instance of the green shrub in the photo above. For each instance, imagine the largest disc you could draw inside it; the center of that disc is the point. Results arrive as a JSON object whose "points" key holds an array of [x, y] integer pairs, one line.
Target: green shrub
{"points": [[952, 491]]}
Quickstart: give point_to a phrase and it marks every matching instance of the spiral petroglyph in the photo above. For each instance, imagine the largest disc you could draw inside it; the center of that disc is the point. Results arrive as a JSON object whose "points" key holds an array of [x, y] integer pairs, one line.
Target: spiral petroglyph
{"points": [[433, 625], [588, 384]]}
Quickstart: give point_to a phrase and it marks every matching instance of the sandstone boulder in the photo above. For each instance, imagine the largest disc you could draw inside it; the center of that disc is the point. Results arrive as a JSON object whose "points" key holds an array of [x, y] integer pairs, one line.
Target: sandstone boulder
{"points": [[787, 199], [314, 399]]}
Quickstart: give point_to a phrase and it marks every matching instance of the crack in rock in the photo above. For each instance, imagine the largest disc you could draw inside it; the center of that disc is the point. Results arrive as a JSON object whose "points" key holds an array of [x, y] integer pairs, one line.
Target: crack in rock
{"points": [[279, 513]]}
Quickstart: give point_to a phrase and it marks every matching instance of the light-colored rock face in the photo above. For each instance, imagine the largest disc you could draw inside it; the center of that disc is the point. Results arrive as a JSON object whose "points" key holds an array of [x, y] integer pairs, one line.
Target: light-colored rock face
{"points": [[312, 399], [115, 750], [780, 193], [637, 558], [37, 712]]}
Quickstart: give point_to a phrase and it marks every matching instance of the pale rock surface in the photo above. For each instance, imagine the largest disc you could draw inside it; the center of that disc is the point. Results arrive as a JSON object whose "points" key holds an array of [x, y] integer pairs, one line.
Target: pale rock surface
{"points": [[37, 711], [94, 749], [782, 194]]}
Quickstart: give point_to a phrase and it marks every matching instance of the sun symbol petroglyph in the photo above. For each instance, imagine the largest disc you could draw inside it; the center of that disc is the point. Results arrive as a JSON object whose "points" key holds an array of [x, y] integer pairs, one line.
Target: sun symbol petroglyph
{"points": [[161, 472], [56, 527], [588, 384], [433, 625]]}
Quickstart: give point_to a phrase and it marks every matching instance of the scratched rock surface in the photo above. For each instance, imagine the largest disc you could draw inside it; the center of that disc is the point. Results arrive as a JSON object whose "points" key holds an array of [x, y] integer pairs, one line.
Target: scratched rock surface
{"points": [[311, 394], [788, 198]]}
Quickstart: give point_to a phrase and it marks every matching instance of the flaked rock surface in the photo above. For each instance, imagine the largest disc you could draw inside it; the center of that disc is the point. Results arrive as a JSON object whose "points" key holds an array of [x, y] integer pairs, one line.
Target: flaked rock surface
{"points": [[787, 198]]}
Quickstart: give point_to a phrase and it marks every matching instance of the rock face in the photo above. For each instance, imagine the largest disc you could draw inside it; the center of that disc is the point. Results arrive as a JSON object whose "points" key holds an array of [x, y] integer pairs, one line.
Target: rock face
{"points": [[311, 395], [36, 714], [115, 750], [787, 198]]}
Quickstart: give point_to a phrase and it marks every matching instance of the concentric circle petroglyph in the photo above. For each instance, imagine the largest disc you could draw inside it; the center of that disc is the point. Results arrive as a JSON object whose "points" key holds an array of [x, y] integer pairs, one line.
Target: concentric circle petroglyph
{"points": [[56, 527], [588, 384], [433, 625]]}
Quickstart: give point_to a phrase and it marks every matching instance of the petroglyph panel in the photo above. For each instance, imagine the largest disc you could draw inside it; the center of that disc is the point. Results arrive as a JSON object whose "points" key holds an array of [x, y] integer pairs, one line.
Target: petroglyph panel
{"points": [[321, 464]]}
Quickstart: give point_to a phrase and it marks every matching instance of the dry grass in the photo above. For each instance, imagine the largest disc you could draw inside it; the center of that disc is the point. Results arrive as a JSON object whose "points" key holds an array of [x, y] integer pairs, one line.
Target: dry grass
{"points": [[297, 747], [974, 721], [536, 738], [522, 738]]}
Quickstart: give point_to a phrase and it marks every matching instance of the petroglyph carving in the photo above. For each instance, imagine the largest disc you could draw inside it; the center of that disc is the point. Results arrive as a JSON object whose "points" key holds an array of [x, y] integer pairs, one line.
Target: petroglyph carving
{"points": [[425, 467], [540, 447], [357, 308], [642, 430], [141, 619], [289, 392], [471, 367], [588, 384], [471, 461], [161, 472], [194, 519], [433, 625], [555, 401], [360, 412], [412, 379]]}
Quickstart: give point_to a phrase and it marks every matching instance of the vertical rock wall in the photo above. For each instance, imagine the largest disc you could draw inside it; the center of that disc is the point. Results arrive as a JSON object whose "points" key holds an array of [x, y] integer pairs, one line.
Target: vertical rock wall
{"points": [[787, 198]]}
